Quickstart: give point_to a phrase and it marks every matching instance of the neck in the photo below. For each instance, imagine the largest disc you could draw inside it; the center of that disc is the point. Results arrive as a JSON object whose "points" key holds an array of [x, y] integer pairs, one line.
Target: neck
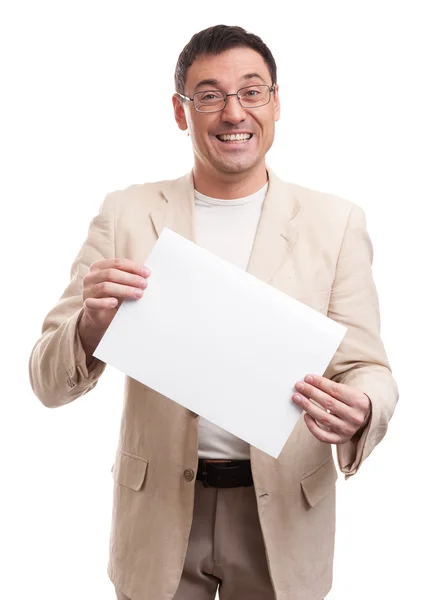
{"points": [[229, 186]]}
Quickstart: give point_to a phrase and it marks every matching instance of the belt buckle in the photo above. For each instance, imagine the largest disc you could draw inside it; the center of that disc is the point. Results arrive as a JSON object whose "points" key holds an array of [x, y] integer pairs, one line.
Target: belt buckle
{"points": [[205, 471]]}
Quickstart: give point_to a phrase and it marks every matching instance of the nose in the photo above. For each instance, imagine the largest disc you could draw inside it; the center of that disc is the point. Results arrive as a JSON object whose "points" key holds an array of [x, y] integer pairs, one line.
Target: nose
{"points": [[233, 111]]}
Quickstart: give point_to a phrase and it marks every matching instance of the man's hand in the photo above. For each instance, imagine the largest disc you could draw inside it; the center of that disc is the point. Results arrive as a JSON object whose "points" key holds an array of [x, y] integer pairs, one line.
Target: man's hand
{"points": [[105, 287], [335, 412]]}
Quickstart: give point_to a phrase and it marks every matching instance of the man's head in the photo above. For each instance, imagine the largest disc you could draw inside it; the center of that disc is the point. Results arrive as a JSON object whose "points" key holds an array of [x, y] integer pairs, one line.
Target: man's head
{"points": [[216, 64]]}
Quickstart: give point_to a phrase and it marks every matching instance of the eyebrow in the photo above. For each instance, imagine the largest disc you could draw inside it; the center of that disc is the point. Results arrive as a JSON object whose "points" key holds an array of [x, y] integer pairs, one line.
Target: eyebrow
{"points": [[215, 82], [204, 82]]}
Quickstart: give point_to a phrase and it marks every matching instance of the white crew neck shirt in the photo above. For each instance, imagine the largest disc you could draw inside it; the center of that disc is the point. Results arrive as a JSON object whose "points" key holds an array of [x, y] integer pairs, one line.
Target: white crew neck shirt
{"points": [[227, 228]]}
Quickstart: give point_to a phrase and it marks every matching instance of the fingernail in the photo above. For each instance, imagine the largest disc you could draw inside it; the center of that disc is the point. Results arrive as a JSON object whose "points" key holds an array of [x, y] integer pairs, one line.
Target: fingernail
{"points": [[297, 398], [299, 386], [309, 379], [138, 293]]}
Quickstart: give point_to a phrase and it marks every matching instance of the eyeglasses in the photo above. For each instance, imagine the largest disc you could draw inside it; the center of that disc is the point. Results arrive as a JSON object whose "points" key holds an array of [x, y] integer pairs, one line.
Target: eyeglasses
{"points": [[251, 96]]}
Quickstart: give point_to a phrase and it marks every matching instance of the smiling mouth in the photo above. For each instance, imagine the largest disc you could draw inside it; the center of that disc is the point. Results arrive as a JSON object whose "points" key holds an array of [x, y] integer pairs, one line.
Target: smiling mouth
{"points": [[234, 137]]}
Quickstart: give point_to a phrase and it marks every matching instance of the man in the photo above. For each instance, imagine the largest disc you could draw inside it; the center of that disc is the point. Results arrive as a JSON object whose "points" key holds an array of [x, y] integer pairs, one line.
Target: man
{"points": [[194, 506]]}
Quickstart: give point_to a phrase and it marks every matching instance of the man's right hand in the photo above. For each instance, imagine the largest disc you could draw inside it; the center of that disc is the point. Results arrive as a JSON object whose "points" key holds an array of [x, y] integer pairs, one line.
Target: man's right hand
{"points": [[105, 287]]}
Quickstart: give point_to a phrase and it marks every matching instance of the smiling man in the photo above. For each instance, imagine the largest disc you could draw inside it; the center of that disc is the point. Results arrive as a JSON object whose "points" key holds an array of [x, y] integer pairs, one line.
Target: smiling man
{"points": [[235, 104], [195, 508]]}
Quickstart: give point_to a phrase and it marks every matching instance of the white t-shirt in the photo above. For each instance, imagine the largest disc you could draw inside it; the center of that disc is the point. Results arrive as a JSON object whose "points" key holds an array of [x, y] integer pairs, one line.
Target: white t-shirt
{"points": [[227, 228]]}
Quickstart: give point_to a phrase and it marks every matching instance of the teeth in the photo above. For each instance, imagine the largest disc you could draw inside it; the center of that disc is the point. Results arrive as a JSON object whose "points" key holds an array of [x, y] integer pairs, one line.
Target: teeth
{"points": [[234, 137]]}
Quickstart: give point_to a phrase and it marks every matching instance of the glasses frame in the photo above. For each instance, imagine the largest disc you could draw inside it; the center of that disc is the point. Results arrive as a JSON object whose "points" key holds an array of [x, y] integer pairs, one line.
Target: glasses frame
{"points": [[225, 96]]}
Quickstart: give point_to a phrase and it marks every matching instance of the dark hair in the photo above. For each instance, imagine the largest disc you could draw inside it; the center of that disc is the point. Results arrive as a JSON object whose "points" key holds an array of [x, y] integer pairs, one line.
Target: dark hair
{"points": [[215, 40]]}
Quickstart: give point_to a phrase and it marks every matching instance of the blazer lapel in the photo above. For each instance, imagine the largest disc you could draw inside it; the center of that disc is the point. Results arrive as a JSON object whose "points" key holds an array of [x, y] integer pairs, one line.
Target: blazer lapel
{"points": [[276, 235], [175, 210]]}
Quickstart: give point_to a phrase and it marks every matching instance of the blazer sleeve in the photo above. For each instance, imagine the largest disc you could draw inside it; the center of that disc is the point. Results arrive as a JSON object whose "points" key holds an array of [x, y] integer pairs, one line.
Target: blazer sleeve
{"points": [[360, 360], [57, 367]]}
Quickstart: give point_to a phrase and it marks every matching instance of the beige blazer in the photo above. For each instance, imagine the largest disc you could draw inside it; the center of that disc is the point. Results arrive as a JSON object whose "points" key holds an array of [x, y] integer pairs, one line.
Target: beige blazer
{"points": [[310, 245]]}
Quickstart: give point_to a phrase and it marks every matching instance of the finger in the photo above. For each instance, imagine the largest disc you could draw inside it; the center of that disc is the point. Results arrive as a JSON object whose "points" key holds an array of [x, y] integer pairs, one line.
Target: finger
{"points": [[121, 264], [325, 400], [343, 393], [101, 303], [115, 276], [107, 289], [322, 417], [328, 437]]}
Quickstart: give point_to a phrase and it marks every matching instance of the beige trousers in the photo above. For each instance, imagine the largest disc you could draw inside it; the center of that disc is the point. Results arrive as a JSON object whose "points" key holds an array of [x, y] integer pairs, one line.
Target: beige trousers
{"points": [[225, 549]]}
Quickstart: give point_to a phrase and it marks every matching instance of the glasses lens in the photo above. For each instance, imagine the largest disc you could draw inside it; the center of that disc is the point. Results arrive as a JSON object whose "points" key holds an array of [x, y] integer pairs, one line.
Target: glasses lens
{"points": [[209, 101], [254, 95]]}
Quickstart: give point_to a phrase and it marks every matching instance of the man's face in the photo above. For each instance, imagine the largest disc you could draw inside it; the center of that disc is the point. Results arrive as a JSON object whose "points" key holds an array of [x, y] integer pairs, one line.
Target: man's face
{"points": [[228, 72]]}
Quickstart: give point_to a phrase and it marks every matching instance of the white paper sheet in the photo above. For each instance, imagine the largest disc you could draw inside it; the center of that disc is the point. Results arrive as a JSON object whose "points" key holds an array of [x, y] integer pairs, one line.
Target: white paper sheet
{"points": [[220, 342]]}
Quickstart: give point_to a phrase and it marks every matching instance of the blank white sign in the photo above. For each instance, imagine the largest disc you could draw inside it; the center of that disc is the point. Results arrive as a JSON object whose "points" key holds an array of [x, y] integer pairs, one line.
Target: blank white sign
{"points": [[220, 342]]}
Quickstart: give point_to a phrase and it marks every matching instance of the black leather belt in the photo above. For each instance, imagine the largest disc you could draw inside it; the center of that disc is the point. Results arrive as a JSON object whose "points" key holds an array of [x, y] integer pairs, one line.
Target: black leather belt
{"points": [[225, 473]]}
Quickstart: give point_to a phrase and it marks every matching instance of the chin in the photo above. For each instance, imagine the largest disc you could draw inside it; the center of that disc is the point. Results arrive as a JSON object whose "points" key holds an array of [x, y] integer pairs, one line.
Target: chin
{"points": [[236, 166]]}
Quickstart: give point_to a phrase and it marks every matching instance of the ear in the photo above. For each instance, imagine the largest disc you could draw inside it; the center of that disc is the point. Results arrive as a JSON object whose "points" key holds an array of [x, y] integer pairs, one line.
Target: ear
{"points": [[276, 101], [179, 112]]}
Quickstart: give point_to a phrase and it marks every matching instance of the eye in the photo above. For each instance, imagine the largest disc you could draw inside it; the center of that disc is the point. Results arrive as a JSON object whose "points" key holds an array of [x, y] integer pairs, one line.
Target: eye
{"points": [[210, 96], [251, 92]]}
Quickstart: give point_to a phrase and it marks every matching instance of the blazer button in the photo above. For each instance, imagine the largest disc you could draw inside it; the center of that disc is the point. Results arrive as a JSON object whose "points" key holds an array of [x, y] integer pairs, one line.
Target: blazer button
{"points": [[188, 474]]}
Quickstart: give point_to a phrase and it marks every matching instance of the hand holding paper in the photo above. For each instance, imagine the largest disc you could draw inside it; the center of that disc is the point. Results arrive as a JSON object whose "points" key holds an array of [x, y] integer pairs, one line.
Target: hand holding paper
{"points": [[104, 288], [343, 411]]}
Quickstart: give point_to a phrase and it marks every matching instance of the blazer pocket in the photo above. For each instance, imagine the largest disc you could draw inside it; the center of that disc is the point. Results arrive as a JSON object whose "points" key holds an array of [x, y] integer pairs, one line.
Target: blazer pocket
{"points": [[130, 470], [319, 483]]}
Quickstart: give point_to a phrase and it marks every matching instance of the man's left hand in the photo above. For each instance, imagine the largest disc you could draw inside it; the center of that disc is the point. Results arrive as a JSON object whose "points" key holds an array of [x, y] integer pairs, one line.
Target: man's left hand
{"points": [[343, 410]]}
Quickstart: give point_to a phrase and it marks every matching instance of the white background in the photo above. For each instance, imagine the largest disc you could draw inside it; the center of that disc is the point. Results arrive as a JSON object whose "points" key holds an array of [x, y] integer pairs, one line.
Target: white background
{"points": [[86, 109]]}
